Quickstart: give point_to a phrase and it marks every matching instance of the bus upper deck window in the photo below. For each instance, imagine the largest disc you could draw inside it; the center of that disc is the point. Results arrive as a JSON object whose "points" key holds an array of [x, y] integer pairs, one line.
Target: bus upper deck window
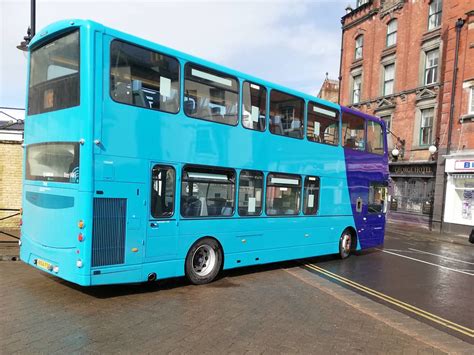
{"points": [[375, 138], [210, 95], [144, 78], [254, 106], [54, 75], [323, 124], [353, 131], [286, 114]]}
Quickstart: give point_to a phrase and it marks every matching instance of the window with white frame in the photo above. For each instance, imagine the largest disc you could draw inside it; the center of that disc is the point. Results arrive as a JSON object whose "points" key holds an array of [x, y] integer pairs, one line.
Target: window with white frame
{"points": [[388, 79], [361, 2], [356, 88], [431, 66], [434, 14], [426, 126], [392, 33], [471, 101], [359, 45]]}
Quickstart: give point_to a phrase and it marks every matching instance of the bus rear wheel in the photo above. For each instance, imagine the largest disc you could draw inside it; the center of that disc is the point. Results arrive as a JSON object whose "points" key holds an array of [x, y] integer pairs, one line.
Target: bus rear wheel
{"points": [[204, 261], [345, 244]]}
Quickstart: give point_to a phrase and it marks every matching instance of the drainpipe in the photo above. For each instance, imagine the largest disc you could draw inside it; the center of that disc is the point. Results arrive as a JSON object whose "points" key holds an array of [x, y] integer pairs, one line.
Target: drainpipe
{"points": [[340, 61], [459, 24]]}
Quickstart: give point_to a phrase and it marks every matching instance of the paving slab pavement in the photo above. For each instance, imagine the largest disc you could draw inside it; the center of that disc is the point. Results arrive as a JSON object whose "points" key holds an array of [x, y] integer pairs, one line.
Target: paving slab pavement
{"points": [[264, 309]]}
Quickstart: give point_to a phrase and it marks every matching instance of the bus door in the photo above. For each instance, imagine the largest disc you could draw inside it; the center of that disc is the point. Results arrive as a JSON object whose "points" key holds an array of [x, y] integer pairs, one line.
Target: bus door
{"points": [[376, 210], [162, 226]]}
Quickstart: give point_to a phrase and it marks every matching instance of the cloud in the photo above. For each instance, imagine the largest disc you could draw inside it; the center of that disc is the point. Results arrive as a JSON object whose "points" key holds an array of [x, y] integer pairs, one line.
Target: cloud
{"points": [[292, 43]]}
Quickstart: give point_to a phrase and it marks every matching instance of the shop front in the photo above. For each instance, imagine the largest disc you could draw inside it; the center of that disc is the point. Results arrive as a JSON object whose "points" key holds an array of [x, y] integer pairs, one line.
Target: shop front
{"points": [[459, 205], [412, 192]]}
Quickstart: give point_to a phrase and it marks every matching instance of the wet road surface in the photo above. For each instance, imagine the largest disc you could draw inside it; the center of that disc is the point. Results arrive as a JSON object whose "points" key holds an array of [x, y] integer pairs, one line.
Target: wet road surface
{"points": [[434, 278]]}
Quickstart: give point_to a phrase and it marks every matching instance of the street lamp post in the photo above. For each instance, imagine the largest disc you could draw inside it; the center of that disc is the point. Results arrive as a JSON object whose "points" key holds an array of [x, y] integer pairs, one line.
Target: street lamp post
{"points": [[30, 32]]}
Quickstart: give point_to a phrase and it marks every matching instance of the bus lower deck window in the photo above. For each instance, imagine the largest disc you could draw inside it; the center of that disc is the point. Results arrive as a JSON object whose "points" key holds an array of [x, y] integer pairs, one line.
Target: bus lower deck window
{"points": [[207, 192], [250, 193], [162, 191], [283, 194], [311, 195]]}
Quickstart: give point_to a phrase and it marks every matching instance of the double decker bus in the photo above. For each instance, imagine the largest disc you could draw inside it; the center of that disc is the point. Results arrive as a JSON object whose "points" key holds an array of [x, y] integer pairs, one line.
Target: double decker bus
{"points": [[145, 163]]}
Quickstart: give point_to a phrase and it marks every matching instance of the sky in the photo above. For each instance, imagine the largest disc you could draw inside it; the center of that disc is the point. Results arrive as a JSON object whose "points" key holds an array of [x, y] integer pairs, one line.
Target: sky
{"points": [[292, 43]]}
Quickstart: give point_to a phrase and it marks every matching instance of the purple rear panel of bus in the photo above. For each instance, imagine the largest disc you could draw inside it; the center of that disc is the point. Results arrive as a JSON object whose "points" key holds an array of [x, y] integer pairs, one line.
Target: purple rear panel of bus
{"points": [[363, 169]]}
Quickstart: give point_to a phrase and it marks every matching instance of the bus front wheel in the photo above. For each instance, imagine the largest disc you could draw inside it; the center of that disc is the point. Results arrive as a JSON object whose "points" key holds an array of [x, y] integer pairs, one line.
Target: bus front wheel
{"points": [[345, 244], [203, 261]]}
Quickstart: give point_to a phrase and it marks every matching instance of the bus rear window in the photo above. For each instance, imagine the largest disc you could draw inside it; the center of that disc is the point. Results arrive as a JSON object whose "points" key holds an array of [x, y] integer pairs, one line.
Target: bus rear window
{"points": [[54, 75], [53, 162]]}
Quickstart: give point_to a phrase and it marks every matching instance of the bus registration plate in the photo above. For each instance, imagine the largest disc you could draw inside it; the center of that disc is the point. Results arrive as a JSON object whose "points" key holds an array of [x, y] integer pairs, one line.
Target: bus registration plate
{"points": [[44, 264]]}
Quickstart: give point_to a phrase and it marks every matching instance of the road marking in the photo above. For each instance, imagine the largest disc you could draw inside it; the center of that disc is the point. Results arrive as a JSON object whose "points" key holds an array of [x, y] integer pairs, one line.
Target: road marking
{"points": [[426, 262], [441, 256], [408, 307]]}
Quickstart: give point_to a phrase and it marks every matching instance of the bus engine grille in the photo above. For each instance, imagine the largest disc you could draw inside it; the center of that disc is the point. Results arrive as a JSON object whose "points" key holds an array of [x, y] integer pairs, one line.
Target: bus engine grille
{"points": [[108, 241]]}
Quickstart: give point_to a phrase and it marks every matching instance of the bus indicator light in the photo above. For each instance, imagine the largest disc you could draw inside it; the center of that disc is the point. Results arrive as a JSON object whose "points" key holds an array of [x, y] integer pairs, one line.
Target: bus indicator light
{"points": [[80, 224]]}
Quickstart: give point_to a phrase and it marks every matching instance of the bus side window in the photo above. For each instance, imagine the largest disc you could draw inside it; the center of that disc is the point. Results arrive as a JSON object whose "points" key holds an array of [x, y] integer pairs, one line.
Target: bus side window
{"points": [[254, 102], [375, 143], [286, 114], [323, 124], [378, 194], [353, 131], [207, 192], [250, 193], [210, 95], [311, 195], [163, 179], [283, 194], [144, 78]]}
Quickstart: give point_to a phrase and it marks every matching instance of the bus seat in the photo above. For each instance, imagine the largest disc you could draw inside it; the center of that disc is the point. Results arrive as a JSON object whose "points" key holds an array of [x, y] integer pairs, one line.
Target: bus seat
{"points": [[204, 211], [226, 211], [190, 206]]}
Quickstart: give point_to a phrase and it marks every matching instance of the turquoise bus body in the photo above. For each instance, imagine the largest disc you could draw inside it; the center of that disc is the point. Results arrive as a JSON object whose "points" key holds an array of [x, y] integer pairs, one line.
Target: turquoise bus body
{"points": [[119, 146]]}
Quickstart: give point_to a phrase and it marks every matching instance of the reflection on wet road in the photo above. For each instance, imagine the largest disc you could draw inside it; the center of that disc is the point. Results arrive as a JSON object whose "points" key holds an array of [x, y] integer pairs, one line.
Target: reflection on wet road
{"points": [[435, 279]]}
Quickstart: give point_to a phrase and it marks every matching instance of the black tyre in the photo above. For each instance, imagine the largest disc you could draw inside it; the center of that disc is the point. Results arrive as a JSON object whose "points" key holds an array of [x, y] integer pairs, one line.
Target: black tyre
{"points": [[204, 261], [345, 244]]}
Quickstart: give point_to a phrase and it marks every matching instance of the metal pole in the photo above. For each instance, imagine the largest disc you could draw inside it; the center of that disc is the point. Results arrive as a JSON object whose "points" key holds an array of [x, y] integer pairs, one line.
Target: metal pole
{"points": [[340, 63], [33, 18]]}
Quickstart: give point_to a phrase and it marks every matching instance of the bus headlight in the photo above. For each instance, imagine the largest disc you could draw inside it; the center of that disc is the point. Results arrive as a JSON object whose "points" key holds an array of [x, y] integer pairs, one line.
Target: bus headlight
{"points": [[56, 269], [79, 263], [19, 242]]}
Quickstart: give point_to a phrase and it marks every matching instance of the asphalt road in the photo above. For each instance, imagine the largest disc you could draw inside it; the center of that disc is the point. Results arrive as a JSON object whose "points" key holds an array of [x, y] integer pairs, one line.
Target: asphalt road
{"points": [[424, 278]]}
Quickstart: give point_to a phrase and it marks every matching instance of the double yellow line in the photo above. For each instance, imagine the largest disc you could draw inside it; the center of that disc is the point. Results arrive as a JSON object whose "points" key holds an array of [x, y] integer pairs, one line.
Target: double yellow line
{"points": [[408, 307]]}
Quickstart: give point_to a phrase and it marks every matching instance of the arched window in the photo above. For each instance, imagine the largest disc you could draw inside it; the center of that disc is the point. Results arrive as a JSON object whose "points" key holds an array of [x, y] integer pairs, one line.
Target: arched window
{"points": [[359, 44], [392, 33]]}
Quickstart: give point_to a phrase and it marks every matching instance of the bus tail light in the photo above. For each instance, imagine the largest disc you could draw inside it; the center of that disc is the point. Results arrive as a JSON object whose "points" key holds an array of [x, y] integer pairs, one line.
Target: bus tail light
{"points": [[80, 237]]}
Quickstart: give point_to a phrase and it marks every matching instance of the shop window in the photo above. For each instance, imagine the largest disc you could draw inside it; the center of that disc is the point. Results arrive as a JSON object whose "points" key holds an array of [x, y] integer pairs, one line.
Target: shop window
{"points": [[286, 114], [254, 106], [210, 95], [353, 131], [207, 192], [250, 193], [283, 194], [323, 124], [162, 191], [144, 78], [311, 195]]}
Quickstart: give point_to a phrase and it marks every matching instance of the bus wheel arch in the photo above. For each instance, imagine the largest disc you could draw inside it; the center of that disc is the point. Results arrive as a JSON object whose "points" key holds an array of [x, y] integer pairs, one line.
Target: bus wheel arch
{"points": [[204, 260], [347, 242]]}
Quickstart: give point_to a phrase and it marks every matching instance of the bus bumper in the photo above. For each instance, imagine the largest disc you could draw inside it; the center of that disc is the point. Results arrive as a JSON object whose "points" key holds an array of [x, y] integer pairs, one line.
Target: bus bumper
{"points": [[59, 262]]}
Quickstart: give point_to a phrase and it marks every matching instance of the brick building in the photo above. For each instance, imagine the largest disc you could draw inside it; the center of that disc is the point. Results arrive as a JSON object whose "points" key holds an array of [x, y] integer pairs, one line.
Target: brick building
{"points": [[329, 90], [11, 159], [397, 63]]}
